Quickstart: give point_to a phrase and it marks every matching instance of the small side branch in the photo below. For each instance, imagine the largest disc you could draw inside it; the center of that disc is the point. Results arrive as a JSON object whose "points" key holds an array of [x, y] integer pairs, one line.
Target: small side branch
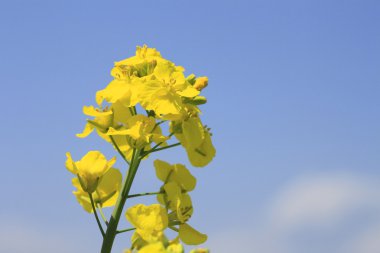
{"points": [[144, 194], [155, 149], [125, 230], [96, 214]]}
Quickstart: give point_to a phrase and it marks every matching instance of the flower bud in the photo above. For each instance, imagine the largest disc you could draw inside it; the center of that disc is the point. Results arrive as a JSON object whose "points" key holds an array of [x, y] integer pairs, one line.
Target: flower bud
{"points": [[201, 83], [191, 79], [198, 100]]}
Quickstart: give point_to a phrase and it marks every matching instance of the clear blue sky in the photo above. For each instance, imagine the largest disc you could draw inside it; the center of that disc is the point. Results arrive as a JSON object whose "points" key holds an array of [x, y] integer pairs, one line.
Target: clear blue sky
{"points": [[293, 106]]}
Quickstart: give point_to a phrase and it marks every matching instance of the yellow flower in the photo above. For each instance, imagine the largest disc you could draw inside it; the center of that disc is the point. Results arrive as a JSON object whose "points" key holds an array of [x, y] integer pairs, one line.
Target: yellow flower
{"points": [[177, 181], [177, 173], [90, 169], [106, 192], [177, 201], [115, 116], [140, 130], [103, 119], [163, 91], [196, 139], [149, 221], [125, 88]]}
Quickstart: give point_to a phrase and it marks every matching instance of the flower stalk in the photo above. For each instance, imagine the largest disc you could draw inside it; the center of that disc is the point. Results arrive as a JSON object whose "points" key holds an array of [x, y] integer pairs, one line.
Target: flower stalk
{"points": [[111, 232]]}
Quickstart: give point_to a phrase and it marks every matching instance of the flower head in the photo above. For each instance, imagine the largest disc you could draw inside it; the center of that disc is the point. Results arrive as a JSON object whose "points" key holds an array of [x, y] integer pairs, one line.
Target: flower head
{"points": [[106, 192], [90, 169], [196, 139], [149, 221]]}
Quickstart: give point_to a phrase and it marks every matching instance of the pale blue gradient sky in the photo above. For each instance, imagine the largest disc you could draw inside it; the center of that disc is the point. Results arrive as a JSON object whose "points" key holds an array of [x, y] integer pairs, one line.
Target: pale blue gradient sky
{"points": [[294, 91]]}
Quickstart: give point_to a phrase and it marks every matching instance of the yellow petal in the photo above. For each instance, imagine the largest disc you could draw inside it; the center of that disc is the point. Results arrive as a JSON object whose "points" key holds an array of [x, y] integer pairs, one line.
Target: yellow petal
{"points": [[150, 221], [162, 169], [92, 111], [184, 177], [202, 155], [121, 131], [88, 128], [91, 168], [173, 192], [115, 90], [81, 196], [70, 165], [109, 188], [190, 236], [120, 113], [122, 143], [189, 92], [193, 132], [184, 208], [93, 162]]}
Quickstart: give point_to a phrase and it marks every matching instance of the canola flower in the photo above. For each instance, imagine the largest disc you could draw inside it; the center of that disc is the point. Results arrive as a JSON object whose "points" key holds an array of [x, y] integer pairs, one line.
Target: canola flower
{"points": [[147, 92]]}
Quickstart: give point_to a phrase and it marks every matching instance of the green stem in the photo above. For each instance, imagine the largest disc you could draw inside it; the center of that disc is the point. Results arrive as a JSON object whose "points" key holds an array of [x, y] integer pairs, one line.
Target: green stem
{"points": [[144, 194], [116, 214], [158, 144], [96, 214], [118, 149], [157, 124], [159, 149], [125, 230], [102, 214]]}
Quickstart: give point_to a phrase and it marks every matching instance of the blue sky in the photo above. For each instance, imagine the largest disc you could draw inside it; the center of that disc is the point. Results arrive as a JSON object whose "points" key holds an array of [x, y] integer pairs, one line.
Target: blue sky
{"points": [[293, 106]]}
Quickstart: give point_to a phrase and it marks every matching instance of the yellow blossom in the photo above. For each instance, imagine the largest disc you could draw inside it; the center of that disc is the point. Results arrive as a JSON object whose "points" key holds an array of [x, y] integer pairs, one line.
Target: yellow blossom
{"points": [[149, 221], [140, 130], [163, 92], [178, 201], [126, 86], [90, 169], [196, 139], [177, 173], [115, 116], [106, 192]]}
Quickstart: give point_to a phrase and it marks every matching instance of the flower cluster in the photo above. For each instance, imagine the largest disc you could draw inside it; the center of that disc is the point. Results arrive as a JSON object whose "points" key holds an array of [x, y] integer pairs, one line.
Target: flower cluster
{"points": [[147, 91]]}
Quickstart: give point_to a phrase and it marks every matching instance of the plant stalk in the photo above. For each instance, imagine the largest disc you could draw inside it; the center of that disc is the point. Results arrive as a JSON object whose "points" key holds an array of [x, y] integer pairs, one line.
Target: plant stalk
{"points": [[116, 214]]}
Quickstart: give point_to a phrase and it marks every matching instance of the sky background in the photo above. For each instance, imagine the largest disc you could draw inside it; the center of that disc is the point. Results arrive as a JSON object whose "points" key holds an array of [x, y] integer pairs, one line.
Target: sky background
{"points": [[293, 103]]}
